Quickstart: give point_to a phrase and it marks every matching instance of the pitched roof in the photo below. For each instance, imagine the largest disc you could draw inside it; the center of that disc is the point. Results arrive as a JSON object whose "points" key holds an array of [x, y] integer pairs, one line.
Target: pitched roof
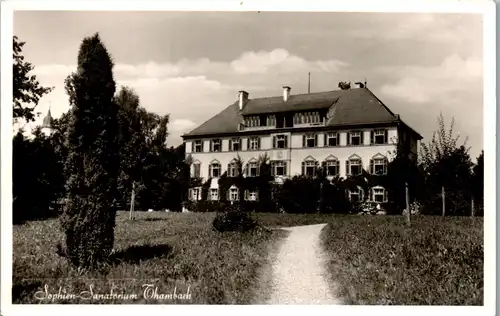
{"points": [[348, 107]]}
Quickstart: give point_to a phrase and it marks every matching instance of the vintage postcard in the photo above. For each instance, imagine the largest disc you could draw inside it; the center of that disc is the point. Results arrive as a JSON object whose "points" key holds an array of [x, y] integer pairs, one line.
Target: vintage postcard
{"points": [[319, 155]]}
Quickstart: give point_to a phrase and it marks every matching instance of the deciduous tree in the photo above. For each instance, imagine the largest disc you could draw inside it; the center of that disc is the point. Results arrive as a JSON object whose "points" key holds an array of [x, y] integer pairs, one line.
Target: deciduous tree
{"points": [[26, 88]]}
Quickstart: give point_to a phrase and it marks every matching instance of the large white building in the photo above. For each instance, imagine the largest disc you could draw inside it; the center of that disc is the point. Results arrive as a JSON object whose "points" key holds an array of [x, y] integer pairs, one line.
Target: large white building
{"points": [[344, 130]]}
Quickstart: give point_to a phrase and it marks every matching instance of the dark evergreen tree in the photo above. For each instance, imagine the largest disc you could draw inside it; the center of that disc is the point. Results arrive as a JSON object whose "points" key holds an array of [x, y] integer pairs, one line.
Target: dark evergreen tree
{"points": [[93, 163]]}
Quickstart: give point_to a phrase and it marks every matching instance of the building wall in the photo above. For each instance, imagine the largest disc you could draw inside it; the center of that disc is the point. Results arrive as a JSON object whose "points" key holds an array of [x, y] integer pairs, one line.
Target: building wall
{"points": [[295, 154]]}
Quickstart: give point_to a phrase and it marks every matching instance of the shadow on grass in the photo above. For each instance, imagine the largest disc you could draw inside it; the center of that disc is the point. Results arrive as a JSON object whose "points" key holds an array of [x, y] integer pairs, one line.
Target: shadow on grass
{"points": [[138, 253], [153, 219], [24, 290]]}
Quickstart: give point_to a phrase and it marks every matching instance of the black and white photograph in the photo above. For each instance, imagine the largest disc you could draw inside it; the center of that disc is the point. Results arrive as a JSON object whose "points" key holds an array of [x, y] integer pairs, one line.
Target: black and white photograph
{"points": [[248, 156]]}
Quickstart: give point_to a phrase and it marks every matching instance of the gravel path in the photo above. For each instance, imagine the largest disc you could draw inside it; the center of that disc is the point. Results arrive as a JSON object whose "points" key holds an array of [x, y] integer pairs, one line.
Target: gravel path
{"points": [[297, 271]]}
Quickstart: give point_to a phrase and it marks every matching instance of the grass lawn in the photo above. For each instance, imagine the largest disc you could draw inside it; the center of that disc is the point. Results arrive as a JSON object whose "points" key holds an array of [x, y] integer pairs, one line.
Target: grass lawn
{"points": [[376, 260], [167, 250]]}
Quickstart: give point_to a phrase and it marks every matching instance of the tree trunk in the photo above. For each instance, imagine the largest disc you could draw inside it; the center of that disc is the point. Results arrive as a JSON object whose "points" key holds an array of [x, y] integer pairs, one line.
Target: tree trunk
{"points": [[132, 201], [407, 197], [443, 199]]}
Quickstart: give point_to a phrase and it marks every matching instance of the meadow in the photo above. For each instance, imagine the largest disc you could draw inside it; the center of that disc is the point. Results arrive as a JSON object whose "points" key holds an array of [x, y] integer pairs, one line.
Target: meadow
{"points": [[169, 251], [369, 259], [377, 260]]}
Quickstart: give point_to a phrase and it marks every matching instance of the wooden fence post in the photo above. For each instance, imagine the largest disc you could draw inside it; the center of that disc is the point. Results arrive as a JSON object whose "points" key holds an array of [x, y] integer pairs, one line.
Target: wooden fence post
{"points": [[408, 211], [132, 201], [472, 207], [443, 199]]}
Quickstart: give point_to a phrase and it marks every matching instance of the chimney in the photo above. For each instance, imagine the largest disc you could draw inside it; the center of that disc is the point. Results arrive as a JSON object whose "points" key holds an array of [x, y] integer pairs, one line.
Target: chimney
{"points": [[360, 84], [243, 97], [286, 93]]}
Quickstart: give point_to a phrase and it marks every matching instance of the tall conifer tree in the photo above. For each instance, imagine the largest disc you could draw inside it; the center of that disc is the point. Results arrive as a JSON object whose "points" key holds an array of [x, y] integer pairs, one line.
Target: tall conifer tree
{"points": [[93, 163]]}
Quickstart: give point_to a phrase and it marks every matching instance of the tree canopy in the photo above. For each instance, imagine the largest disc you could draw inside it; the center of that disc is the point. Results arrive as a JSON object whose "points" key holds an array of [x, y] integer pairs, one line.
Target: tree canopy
{"points": [[26, 88]]}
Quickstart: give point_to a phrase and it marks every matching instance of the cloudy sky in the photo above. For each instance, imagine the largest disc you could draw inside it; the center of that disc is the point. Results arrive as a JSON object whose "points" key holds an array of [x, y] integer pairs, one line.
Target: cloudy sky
{"points": [[192, 64]]}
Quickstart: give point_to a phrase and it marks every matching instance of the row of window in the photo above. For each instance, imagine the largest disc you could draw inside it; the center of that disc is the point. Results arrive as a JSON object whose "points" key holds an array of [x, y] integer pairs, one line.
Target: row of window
{"points": [[377, 194], [231, 195], [281, 141], [354, 166]]}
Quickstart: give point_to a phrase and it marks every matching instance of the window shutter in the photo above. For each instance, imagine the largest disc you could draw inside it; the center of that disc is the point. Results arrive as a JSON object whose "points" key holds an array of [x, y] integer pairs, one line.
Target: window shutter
{"points": [[315, 140], [286, 141], [347, 169], [303, 168], [304, 140], [230, 145], [362, 133], [248, 143], [385, 195], [275, 141], [348, 136], [210, 171], [372, 137], [372, 170], [386, 137], [258, 142]]}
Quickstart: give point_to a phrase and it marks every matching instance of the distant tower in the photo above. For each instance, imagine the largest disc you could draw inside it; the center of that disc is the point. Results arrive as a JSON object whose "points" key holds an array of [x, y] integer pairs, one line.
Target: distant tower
{"points": [[47, 125]]}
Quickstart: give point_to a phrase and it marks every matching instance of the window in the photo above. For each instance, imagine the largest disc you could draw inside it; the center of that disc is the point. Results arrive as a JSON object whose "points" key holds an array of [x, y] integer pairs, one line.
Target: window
{"points": [[216, 145], [214, 194], [378, 166], [198, 146], [254, 143], [332, 167], [252, 169], [278, 168], [309, 140], [251, 195], [234, 144], [379, 137], [356, 195], [195, 194], [332, 139], [280, 141], [379, 195], [232, 169], [214, 170], [196, 170], [307, 118], [354, 166], [309, 168], [233, 194], [355, 138]]}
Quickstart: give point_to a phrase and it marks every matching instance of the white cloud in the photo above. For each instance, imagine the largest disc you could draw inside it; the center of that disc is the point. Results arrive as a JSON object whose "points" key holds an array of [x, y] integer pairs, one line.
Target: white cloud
{"points": [[181, 125], [280, 61], [192, 91], [418, 84]]}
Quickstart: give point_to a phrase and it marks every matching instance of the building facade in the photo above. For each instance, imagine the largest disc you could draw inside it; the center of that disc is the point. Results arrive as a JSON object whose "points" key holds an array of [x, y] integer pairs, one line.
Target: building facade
{"points": [[344, 131]]}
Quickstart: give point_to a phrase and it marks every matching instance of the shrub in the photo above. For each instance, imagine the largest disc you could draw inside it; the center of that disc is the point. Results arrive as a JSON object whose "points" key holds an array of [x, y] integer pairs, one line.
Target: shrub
{"points": [[233, 220]]}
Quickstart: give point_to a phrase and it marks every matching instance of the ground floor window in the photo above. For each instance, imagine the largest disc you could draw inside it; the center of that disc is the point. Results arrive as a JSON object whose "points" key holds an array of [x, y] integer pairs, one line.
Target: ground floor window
{"points": [[214, 194], [195, 194], [233, 194], [251, 195], [356, 195], [379, 194]]}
